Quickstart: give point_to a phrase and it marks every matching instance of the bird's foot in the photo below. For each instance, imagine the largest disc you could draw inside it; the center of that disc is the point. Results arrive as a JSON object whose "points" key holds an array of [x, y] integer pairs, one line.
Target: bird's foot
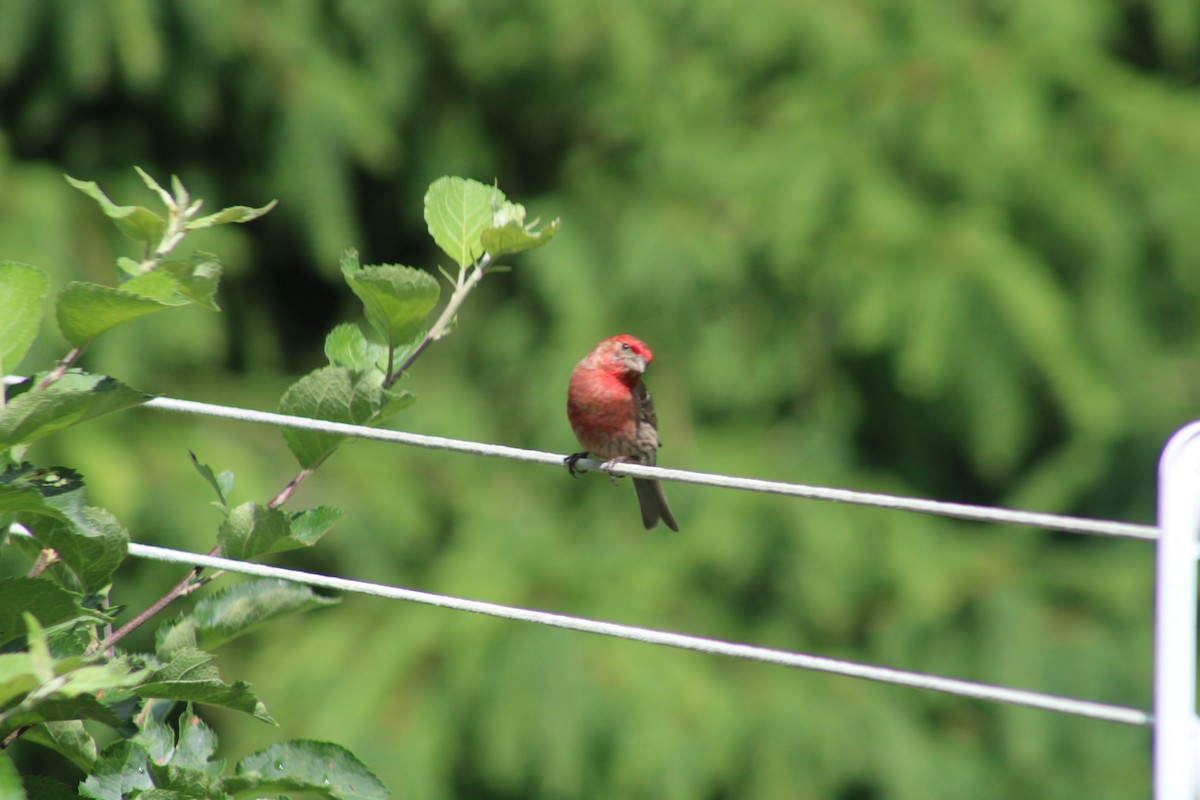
{"points": [[612, 462], [572, 460]]}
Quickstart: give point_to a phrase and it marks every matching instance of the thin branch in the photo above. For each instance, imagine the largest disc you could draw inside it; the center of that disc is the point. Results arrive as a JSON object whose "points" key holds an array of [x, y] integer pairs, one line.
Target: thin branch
{"points": [[62, 368], [467, 280], [189, 584]]}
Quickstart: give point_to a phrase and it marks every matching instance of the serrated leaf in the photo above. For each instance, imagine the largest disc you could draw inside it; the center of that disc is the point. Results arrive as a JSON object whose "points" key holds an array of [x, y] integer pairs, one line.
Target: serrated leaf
{"points": [[191, 676], [234, 611], [319, 768], [513, 237], [197, 745], [457, 212], [395, 298], [231, 214], [119, 771], [68, 738], [335, 394], [345, 346], [253, 529], [86, 310], [138, 223], [32, 412], [90, 541], [50, 603], [23, 292]]}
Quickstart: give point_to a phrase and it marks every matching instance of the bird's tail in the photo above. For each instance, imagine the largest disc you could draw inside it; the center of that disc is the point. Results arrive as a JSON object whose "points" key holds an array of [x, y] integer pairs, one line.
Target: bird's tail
{"points": [[654, 504]]}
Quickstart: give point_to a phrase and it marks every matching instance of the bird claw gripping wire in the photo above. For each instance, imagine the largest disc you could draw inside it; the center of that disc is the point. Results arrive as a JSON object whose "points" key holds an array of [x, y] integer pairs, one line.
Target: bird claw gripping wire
{"points": [[573, 460]]}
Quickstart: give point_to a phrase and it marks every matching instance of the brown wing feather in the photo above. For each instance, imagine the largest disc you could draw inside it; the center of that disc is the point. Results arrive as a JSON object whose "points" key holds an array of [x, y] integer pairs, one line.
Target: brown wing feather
{"points": [[645, 406]]}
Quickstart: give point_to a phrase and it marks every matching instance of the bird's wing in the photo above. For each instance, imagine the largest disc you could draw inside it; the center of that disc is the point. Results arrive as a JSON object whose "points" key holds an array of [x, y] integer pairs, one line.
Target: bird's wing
{"points": [[644, 407]]}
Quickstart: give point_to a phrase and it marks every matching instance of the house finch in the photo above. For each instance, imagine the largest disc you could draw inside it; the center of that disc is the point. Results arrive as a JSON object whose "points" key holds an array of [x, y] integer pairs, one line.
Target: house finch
{"points": [[613, 417]]}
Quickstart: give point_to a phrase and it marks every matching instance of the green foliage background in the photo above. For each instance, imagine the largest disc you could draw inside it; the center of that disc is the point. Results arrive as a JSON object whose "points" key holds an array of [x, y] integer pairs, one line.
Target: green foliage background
{"points": [[945, 250]]}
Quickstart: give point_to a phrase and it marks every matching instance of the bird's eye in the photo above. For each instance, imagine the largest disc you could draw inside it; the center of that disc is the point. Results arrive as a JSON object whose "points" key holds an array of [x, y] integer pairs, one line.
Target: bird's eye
{"points": [[624, 345]]}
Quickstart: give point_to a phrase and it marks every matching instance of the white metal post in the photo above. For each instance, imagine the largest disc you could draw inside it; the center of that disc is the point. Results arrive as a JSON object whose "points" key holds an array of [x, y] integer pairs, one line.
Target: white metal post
{"points": [[1175, 723]]}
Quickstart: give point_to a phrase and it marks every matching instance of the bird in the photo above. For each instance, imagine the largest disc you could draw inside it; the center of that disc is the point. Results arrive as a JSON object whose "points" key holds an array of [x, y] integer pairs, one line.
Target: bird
{"points": [[612, 415]]}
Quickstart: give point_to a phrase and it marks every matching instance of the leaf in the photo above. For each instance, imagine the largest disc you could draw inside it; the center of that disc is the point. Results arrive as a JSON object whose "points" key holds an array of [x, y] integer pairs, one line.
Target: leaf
{"points": [[60, 708], [23, 292], [197, 745], [319, 768], [310, 525], [68, 738], [179, 282], [17, 676], [345, 346], [222, 484], [231, 214], [92, 543], [10, 780], [86, 310], [120, 770], [234, 611], [50, 603], [457, 212], [43, 788], [138, 223], [513, 237], [190, 675], [252, 529], [32, 412], [335, 394], [396, 299]]}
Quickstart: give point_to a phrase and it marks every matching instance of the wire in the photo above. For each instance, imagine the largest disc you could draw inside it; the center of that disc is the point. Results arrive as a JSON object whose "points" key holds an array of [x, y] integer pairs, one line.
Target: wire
{"points": [[978, 691], [964, 511]]}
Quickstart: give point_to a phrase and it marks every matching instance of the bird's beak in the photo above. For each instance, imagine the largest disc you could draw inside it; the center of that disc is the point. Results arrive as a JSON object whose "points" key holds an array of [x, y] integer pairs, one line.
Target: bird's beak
{"points": [[638, 364]]}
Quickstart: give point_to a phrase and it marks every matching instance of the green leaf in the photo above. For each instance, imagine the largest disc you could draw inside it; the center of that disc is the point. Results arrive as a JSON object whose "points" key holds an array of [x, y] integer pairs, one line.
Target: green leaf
{"points": [[18, 676], [345, 346], [59, 708], [50, 603], [32, 412], [86, 310], [252, 529], [10, 780], [396, 299], [43, 788], [222, 484], [515, 238], [90, 541], [22, 300], [179, 282], [310, 525], [191, 676], [120, 770], [335, 394], [138, 223], [68, 738], [318, 768], [234, 611], [457, 212], [197, 745], [230, 214]]}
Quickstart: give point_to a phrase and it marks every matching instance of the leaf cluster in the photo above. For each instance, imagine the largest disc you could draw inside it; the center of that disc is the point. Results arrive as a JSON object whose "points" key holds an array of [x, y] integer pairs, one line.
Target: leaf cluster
{"points": [[61, 673]]}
